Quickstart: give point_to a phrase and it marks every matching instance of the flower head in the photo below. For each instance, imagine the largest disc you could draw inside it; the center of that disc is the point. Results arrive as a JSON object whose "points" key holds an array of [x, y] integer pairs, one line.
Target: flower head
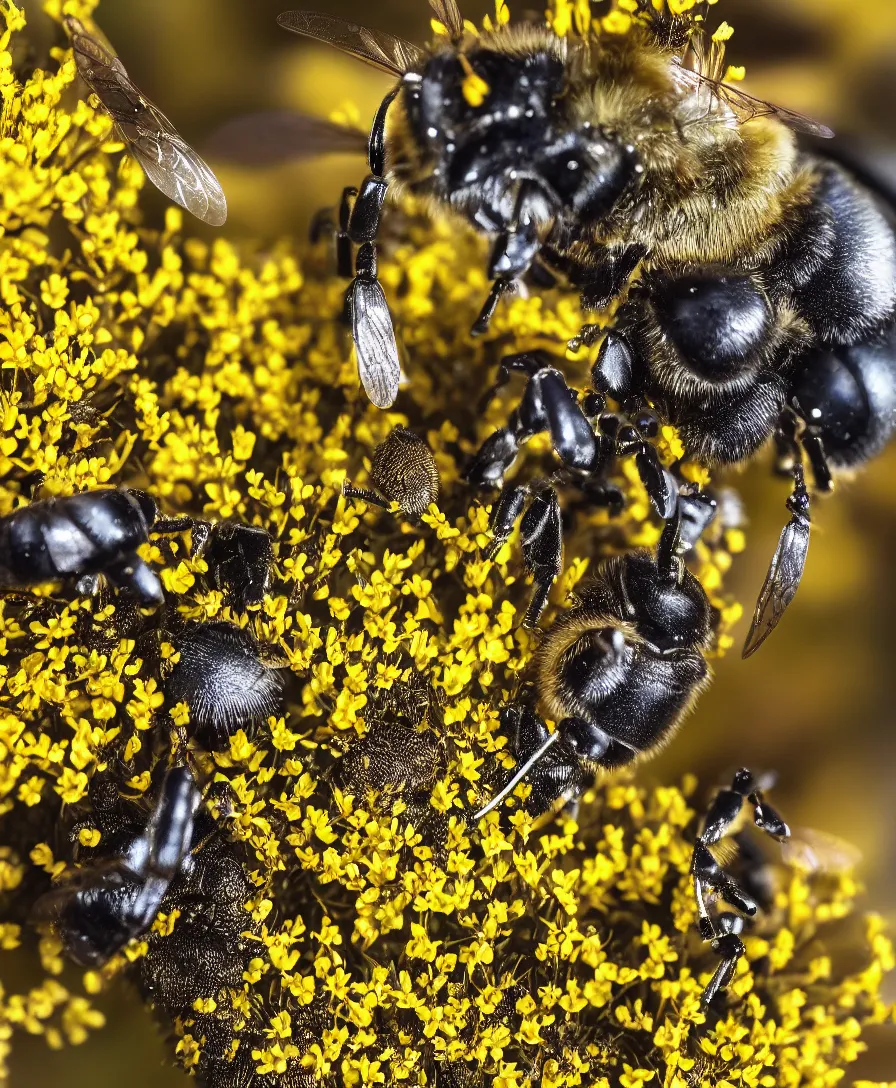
{"points": [[344, 918]]}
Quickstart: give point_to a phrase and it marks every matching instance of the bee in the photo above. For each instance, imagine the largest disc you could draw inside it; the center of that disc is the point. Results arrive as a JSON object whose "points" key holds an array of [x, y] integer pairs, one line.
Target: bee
{"points": [[110, 901], [402, 470], [81, 537], [756, 276], [169, 163], [224, 679], [618, 672]]}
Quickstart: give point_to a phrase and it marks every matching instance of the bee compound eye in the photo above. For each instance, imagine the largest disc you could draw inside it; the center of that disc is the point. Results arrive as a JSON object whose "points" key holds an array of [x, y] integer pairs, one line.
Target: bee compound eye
{"points": [[586, 740], [223, 681]]}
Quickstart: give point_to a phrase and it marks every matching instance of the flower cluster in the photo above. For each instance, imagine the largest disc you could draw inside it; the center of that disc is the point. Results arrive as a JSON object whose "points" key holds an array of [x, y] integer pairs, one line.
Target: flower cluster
{"points": [[345, 920]]}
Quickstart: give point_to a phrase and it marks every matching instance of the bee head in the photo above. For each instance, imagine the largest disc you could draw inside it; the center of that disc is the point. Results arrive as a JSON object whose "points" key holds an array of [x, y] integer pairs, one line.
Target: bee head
{"points": [[503, 147]]}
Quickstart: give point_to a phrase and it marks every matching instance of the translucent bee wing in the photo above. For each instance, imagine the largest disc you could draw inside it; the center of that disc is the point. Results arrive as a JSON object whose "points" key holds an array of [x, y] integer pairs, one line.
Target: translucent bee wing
{"points": [[375, 347], [781, 583], [448, 14], [279, 136], [383, 51], [170, 163], [175, 168], [745, 107], [814, 851]]}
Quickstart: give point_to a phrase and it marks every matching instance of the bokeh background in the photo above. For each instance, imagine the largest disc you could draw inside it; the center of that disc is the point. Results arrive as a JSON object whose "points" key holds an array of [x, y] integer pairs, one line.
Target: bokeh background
{"points": [[818, 702]]}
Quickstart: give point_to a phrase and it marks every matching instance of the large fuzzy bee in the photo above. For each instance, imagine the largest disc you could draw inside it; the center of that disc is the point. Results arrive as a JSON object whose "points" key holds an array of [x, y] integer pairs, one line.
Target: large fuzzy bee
{"points": [[757, 279]]}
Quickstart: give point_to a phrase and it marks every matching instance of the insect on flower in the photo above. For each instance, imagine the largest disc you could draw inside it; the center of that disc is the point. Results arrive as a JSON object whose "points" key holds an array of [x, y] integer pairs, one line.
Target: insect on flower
{"points": [[765, 272], [170, 163]]}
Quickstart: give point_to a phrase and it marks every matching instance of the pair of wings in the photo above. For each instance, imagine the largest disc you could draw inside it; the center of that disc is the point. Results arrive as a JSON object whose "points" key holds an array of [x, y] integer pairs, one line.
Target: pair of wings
{"points": [[170, 163]]}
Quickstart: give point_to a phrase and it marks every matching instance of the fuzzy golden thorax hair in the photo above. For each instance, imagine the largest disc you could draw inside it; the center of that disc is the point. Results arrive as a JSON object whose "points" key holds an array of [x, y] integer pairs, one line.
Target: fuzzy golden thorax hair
{"points": [[705, 188]]}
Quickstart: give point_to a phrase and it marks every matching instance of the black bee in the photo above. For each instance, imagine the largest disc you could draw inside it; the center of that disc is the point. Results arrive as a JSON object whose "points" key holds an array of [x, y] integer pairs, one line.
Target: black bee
{"points": [[223, 679], [402, 470], [170, 164], [80, 537], [617, 672], [109, 902]]}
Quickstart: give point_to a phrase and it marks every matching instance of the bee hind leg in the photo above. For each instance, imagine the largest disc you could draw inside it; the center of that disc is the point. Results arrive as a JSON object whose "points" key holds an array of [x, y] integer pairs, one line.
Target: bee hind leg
{"points": [[722, 929]]}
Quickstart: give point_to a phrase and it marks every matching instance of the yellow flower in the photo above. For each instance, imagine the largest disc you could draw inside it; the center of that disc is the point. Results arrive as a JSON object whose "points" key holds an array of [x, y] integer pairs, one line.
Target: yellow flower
{"points": [[379, 934]]}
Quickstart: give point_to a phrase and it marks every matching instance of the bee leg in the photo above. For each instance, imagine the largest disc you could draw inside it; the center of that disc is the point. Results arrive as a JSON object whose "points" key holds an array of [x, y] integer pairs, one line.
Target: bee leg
{"points": [[669, 548], [541, 532], [343, 241], [322, 224], [366, 308], [496, 454], [503, 516], [132, 573], [499, 287], [609, 277], [365, 495], [723, 931], [659, 483], [812, 443], [730, 947], [613, 370]]}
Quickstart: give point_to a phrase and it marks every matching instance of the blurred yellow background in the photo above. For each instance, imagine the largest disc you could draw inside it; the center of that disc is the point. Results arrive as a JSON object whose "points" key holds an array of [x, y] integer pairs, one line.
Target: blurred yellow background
{"points": [[817, 702]]}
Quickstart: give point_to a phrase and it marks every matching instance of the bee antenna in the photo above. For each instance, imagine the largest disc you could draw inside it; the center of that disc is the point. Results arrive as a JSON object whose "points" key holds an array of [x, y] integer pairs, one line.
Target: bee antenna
{"points": [[518, 777]]}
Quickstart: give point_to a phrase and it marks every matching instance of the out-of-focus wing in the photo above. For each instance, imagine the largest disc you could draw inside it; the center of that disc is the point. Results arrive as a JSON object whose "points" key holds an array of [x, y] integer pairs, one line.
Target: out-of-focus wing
{"points": [[745, 107], [383, 51], [169, 162], [816, 851], [781, 582], [377, 352], [448, 14], [279, 136]]}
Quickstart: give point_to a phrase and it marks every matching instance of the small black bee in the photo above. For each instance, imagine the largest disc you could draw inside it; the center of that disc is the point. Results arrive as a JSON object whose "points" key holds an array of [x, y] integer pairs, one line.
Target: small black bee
{"points": [[107, 903], [80, 537], [222, 678], [403, 470], [170, 164], [618, 671]]}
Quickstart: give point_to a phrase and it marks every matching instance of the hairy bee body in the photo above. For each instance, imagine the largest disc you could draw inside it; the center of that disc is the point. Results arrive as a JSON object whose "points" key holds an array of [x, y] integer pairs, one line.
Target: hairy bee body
{"points": [[666, 180], [627, 657]]}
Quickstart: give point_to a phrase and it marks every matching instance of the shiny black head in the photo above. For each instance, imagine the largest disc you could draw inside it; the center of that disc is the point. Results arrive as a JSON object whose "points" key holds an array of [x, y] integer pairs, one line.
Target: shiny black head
{"points": [[501, 144]]}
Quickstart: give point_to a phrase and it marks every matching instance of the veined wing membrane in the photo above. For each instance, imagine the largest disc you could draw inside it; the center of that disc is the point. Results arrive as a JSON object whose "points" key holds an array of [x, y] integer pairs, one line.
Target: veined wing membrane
{"points": [[745, 107], [375, 347], [781, 582], [279, 136], [169, 162], [383, 51], [448, 14]]}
